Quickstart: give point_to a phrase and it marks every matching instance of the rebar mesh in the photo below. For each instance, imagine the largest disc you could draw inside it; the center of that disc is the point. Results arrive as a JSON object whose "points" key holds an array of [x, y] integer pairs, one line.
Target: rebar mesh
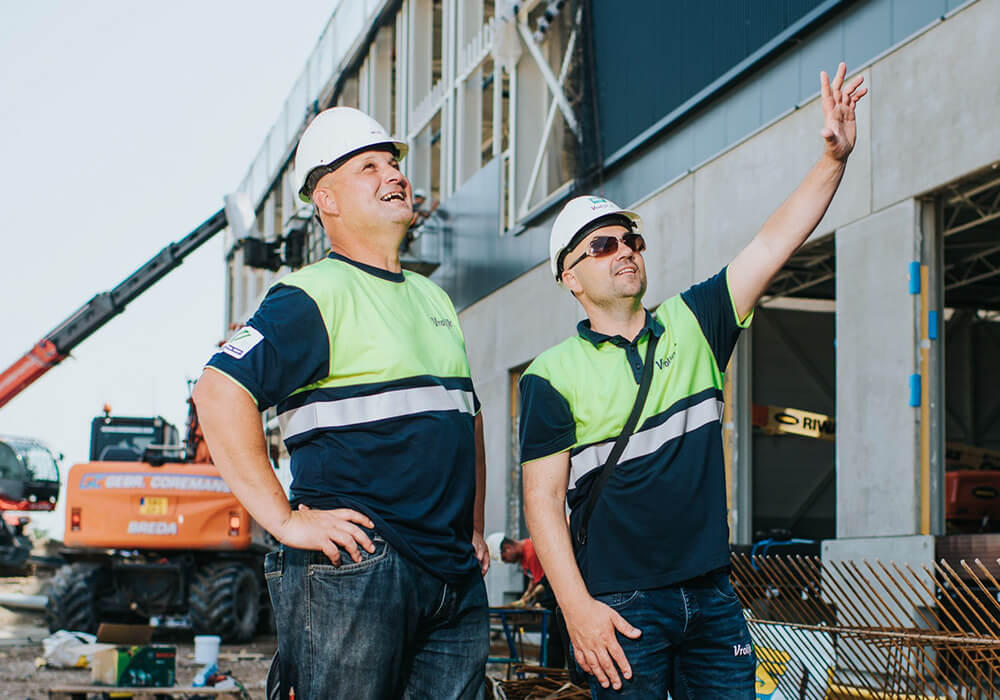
{"points": [[867, 629]]}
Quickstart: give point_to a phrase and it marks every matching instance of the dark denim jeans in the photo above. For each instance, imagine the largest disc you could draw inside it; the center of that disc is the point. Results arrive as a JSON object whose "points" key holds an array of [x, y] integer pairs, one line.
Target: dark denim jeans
{"points": [[695, 643], [381, 628]]}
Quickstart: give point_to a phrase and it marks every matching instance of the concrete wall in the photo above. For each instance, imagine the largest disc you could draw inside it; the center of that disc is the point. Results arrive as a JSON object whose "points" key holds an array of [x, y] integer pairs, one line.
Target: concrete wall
{"points": [[877, 491]]}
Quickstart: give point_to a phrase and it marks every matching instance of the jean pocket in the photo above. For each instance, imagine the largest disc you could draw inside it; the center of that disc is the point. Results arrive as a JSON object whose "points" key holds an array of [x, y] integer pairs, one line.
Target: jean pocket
{"points": [[617, 600], [273, 564], [724, 588], [369, 560]]}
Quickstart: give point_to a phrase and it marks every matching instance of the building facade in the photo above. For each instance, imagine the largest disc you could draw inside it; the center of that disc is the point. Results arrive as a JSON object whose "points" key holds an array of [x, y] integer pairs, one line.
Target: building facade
{"points": [[702, 117]]}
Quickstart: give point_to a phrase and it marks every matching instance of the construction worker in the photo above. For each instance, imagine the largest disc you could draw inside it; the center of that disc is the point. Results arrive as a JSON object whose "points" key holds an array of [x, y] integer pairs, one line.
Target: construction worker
{"points": [[523, 552], [378, 585], [646, 594]]}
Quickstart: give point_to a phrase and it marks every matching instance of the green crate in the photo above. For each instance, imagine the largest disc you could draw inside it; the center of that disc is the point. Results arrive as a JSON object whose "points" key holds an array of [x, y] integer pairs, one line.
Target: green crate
{"points": [[147, 666]]}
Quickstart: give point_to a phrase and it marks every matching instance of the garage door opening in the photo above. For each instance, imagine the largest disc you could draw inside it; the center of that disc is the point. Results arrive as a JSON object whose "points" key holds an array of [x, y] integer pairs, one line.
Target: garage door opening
{"points": [[793, 393]]}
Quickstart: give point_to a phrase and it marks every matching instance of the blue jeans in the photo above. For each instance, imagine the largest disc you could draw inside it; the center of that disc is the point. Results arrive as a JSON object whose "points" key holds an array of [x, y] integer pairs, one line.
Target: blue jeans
{"points": [[695, 643], [381, 628]]}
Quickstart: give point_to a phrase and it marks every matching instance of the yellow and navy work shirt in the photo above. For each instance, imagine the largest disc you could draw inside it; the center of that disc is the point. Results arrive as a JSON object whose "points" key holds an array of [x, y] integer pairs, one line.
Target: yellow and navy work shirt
{"points": [[661, 517], [370, 377]]}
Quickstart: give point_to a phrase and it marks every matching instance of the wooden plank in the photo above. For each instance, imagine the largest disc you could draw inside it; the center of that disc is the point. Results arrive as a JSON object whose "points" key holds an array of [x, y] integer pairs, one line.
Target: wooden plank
{"points": [[68, 692]]}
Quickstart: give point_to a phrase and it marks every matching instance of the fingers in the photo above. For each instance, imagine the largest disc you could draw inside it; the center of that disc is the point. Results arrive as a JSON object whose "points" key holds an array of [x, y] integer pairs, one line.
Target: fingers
{"points": [[596, 669], [354, 516], [824, 86], [618, 654], [838, 80], [623, 626], [610, 671]]}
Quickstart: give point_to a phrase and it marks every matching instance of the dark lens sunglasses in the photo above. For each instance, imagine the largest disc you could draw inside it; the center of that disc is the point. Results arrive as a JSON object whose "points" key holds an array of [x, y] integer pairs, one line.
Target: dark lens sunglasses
{"points": [[608, 245]]}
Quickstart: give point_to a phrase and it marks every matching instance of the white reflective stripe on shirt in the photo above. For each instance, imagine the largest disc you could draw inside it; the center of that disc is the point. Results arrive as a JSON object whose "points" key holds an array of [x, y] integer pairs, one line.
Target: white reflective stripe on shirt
{"points": [[648, 441], [366, 409]]}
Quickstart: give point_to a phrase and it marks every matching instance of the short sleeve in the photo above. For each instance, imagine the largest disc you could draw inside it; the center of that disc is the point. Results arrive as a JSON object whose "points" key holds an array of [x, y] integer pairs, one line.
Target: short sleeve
{"points": [[284, 346], [712, 304], [547, 426]]}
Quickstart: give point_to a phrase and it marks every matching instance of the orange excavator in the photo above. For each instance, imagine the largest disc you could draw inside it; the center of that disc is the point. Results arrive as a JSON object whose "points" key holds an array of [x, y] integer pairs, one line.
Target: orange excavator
{"points": [[153, 534]]}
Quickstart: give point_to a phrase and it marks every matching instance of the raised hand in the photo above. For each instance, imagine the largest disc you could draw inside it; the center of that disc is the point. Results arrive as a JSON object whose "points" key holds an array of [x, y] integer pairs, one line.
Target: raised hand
{"points": [[840, 131]]}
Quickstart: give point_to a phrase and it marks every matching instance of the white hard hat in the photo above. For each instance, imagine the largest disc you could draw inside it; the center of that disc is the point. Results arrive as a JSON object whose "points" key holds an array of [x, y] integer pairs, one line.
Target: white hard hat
{"points": [[335, 133], [493, 543], [581, 215]]}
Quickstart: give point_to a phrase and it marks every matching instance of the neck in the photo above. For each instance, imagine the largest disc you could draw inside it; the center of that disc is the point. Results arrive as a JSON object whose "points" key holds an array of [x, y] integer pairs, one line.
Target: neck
{"points": [[624, 319], [374, 247]]}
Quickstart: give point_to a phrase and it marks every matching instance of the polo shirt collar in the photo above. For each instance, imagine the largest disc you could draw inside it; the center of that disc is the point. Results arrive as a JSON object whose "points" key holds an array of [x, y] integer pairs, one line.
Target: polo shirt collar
{"points": [[652, 326], [375, 271]]}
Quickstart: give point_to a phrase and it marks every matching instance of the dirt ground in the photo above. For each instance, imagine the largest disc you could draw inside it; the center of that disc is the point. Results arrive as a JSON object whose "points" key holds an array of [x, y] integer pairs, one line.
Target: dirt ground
{"points": [[21, 635], [22, 632]]}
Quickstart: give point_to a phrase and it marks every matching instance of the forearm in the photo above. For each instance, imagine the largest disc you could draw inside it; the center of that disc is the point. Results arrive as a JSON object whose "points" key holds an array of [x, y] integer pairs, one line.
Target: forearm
{"points": [[545, 515], [235, 438], [783, 233], [792, 223], [479, 515]]}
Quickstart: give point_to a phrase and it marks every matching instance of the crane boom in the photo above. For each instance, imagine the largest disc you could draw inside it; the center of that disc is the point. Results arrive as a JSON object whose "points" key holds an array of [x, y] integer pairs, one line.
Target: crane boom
{"points": [[59, 342]]}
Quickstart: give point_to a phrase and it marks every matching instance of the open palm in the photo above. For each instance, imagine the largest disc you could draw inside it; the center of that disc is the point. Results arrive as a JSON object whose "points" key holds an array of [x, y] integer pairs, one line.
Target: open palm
{"points": [[840, 130]]}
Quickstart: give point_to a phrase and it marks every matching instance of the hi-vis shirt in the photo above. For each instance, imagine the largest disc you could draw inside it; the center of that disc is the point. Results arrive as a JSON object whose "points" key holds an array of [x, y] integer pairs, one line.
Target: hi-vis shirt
{"points": [[661, 517], [371, 381]]}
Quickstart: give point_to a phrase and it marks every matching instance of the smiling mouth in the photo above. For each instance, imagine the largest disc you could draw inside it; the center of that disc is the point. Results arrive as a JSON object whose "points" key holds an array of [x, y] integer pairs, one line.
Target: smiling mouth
{"points": [[393, 196], [624, 270]]}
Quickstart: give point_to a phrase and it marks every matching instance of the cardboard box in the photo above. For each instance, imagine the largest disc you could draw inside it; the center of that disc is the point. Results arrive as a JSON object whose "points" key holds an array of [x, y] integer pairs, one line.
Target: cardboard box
{"points": [[144, 666]]}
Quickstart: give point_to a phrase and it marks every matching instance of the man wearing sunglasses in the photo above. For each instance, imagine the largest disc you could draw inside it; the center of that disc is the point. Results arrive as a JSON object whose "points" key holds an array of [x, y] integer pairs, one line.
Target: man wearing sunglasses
{"points": [[646, 593]]}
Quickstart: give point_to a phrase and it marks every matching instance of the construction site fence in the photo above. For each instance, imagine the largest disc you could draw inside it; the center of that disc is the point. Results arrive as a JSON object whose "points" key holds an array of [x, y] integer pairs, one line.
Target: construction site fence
{"points": [[871, 629]]}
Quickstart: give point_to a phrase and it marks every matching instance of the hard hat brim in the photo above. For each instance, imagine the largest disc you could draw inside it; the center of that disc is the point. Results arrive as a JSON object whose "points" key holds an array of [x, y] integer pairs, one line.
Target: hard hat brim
{"points": [[400, 148]]}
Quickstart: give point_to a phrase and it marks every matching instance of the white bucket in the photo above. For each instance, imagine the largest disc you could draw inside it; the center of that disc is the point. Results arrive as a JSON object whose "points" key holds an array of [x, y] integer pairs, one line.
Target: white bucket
{"points": [[206, 649]]}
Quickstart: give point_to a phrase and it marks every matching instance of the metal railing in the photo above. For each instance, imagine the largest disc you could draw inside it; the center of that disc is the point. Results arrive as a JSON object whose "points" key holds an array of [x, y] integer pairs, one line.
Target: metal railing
{"points": [[867, 629]]}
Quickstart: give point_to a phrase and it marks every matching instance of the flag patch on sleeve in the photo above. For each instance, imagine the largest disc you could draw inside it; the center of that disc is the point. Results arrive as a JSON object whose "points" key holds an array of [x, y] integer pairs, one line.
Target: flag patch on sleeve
{"points": [[242, 342]]}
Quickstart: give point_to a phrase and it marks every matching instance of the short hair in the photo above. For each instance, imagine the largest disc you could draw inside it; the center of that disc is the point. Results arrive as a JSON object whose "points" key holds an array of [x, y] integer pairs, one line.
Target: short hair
{"points": [[507, 542]]}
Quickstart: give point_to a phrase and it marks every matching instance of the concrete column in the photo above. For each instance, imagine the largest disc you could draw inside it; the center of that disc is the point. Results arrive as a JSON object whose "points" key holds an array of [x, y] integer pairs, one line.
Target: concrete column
{"points": [[877, 429]]}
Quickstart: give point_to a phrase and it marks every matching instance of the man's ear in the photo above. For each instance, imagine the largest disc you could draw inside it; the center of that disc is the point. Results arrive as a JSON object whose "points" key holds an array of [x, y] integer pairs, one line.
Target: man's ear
{"points": [[323, 198], [571, 283]]}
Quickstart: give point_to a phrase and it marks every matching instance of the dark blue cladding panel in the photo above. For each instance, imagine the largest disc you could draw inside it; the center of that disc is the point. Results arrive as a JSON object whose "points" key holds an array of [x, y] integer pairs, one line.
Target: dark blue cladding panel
{"points": [[651, 56]]}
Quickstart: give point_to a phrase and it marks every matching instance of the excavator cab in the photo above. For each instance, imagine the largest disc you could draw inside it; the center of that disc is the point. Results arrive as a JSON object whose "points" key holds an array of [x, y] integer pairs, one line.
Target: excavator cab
{"points": [[129, 439]]}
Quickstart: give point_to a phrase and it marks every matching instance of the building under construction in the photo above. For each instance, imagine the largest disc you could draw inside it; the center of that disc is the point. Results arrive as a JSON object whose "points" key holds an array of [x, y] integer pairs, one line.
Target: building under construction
{"points": [[862, 416]]}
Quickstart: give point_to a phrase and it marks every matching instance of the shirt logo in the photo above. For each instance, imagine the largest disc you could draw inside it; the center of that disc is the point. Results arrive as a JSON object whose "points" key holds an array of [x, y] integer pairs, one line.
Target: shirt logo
{"points": [[664, 362], [741, 649], [441, 322], [242, 342]]}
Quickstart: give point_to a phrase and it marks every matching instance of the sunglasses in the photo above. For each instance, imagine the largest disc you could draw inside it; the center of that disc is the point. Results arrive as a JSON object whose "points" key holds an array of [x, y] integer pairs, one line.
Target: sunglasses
{"points": [[608, 245]]}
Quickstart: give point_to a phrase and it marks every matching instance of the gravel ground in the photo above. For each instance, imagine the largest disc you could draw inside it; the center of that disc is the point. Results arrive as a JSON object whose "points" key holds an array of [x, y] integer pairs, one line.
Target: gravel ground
{"points": [[21, 635]]}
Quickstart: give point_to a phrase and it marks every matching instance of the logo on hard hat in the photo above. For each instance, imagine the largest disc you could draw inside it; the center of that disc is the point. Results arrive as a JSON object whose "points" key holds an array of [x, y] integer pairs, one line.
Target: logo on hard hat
{"points": [[597, 203]]}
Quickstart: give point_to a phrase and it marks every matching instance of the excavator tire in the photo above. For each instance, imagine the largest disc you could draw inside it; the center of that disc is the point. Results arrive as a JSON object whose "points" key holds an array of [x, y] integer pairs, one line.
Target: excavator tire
{"points": [[225, 600], [72, 603]]}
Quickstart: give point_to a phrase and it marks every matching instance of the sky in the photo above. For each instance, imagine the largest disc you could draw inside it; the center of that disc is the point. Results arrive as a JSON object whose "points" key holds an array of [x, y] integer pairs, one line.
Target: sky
{"points": [[122, 126]]}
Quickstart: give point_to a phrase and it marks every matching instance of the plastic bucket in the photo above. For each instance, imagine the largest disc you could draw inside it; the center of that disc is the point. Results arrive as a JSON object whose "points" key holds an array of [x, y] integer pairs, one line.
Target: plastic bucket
{"points": [[206, 649]]}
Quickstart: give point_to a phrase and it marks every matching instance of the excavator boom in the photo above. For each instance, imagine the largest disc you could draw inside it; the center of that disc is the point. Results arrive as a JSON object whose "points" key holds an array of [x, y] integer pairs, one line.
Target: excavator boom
{"points": [[58, 343]]}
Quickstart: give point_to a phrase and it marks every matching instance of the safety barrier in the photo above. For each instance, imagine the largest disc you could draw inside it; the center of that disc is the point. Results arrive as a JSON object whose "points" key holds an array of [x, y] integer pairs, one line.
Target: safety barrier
{"points": [[869, 629]]}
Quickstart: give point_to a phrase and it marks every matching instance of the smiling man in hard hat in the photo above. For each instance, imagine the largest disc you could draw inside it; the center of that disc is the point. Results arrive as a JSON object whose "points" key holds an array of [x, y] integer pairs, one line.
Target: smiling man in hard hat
{"points": [[647, 598], [378, 586]]}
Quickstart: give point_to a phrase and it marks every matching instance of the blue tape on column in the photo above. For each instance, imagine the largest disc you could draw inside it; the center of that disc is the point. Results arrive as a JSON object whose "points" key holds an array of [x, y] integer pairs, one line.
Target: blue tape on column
{"points": [[932, 325], [915, 277], [914, 390]]}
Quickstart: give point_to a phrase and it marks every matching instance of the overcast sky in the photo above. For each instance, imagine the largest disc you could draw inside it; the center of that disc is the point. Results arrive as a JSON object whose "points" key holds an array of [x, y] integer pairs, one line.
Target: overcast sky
{"points": [[122, 126]]}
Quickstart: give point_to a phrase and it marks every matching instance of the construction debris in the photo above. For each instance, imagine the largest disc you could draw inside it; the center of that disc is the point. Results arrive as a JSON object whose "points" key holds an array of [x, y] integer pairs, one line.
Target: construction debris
{"points": [[545, 684]]}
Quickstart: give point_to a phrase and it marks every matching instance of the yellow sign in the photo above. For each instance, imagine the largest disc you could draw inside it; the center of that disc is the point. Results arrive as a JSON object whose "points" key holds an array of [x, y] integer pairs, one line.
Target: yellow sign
{"points": [[794, 421], [153, 505]]}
